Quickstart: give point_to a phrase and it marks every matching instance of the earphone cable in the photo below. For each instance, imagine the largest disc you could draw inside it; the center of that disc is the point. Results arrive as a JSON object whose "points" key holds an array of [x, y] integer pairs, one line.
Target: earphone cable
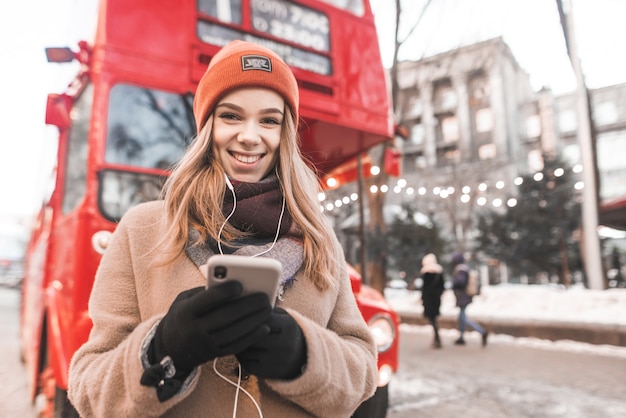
{"points": [[219, 235], [280, 221], [238, 386]]}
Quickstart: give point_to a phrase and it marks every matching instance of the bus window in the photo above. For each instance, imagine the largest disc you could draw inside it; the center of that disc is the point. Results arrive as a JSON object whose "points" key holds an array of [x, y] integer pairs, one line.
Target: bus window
{"points": [[147, 128], [75, 185], [353, 6], [228, 11], [120, 190], [292, 22]]}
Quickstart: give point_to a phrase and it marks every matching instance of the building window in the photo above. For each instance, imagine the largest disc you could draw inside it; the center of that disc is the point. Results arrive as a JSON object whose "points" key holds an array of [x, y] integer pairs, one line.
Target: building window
{"points": [[533, 126], [571, 153], [605, 113], [420, 161], [417, 134], [414, 160], [448, 155], [478, 89], [444, 96], [449, 126], [415, 107], [484, 120], [567, 120], [611, 164], [487, 151]]}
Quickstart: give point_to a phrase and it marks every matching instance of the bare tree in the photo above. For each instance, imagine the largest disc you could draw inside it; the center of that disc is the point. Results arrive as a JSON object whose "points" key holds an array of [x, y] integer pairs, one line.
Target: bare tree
{"points": [[376, 229]]}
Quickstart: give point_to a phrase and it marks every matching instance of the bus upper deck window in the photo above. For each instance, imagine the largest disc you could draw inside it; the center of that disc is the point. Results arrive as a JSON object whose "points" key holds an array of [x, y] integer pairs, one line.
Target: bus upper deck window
{"points": [[228, 11], [353, 6]]}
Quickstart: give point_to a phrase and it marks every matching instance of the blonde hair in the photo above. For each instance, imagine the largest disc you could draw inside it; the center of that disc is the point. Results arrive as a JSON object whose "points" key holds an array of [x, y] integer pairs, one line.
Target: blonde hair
{"points": [[194, 193]]}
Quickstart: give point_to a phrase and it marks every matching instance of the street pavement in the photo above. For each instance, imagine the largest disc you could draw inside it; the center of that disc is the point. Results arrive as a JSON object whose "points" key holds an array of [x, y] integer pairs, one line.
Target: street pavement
{"points": [[14, 388], [511, 377]]}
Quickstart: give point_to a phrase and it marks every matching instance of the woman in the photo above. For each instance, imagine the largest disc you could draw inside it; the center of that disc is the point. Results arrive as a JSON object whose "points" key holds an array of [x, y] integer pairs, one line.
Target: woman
{"points": [[432, 288], [163, 344]]}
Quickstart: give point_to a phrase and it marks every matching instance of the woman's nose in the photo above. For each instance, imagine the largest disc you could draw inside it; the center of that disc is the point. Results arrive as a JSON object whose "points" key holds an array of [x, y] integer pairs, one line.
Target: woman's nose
{"points": [[249, 133]]}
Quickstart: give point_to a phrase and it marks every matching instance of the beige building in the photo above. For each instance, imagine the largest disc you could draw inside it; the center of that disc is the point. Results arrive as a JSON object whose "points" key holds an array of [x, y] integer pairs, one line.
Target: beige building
{"points": [[475, 125]]}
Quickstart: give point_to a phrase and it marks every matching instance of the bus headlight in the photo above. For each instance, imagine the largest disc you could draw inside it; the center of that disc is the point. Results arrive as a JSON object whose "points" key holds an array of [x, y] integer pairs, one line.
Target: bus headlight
{"points": [[383, 331], [384, 375], [100, 241]]}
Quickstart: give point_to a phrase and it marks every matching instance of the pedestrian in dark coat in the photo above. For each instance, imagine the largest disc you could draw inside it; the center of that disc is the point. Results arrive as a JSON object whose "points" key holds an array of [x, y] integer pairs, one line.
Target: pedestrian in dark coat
{"points": [[460, 276], [432, 289]]}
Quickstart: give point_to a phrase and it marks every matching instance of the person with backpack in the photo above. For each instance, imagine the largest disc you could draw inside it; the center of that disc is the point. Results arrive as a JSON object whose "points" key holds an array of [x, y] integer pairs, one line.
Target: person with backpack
{"points": [[432, 289], [460, 278]]}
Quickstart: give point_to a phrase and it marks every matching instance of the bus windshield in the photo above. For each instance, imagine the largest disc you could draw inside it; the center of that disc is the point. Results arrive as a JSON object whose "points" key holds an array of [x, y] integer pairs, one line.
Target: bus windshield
{"points": [[146, 127]]}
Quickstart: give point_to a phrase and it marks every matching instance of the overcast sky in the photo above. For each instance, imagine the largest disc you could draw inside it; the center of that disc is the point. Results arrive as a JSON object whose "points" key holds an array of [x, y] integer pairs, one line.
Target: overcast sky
{"points": [[530, 27]]}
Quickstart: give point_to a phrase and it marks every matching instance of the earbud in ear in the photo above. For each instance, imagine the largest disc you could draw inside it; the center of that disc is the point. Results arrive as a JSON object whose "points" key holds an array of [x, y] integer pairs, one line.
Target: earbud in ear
{"points": [[228, 183]]}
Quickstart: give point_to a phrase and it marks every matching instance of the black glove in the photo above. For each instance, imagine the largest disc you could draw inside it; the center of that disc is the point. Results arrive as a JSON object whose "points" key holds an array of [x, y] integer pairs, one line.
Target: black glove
{"points": [[279, 355], [202, 324]]}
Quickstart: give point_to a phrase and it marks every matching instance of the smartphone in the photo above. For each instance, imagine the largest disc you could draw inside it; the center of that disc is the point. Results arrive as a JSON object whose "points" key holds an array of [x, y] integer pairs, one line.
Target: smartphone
{"points": [[256, 274]]}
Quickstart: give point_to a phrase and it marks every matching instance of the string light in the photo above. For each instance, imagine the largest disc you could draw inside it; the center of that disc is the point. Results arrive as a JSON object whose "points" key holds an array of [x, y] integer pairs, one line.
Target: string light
{"points": [[446, 192]]}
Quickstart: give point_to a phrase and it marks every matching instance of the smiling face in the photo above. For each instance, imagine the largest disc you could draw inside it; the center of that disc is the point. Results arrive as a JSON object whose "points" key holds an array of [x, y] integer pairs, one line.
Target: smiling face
{"points": [[247, 127]]}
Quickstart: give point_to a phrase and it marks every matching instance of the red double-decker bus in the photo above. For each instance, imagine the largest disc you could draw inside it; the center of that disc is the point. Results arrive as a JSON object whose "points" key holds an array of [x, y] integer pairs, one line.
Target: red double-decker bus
{"points": [[127, 116]]}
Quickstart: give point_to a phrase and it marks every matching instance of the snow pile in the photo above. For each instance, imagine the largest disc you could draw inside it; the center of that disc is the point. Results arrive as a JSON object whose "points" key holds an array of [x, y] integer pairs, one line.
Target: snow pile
{"points": [[527, 302]]}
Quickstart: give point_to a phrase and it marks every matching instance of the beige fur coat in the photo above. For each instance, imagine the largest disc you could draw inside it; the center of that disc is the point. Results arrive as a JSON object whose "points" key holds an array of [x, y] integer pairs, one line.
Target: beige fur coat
{"points": [[131, 294]]}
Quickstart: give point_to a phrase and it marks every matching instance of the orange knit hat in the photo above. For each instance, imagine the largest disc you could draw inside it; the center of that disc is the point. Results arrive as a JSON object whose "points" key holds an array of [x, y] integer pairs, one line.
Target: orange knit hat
{"points": [[243, 64]]}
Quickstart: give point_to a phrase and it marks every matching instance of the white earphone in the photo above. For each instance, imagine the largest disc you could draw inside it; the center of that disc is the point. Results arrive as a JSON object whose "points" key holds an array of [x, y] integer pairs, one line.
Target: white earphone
{"points": [[219, 244], [219, 235], [228, 183]]}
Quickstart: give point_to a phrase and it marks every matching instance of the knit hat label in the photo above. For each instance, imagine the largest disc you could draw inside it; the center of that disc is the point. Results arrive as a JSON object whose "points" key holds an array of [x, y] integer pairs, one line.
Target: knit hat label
{"points": [[256, 62]]}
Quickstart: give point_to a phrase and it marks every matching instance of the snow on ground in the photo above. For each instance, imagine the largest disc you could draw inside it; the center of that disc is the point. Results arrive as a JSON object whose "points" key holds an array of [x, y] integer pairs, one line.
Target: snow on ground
{"points": [[531, 302], [559, 345]]}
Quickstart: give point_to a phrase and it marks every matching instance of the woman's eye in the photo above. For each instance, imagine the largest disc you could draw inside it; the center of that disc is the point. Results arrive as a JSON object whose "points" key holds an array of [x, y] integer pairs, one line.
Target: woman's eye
{"points": [[271, 121], [229, 116]]}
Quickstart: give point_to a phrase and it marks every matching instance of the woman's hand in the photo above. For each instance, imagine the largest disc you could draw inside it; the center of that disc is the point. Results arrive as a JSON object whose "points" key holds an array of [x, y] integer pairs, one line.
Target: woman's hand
{"points": [[202, 324], [279, 355]]}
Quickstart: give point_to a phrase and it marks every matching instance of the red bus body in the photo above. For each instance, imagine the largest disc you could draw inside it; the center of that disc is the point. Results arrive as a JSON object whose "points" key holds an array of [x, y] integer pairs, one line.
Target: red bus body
{"points": [[147, 44]]}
